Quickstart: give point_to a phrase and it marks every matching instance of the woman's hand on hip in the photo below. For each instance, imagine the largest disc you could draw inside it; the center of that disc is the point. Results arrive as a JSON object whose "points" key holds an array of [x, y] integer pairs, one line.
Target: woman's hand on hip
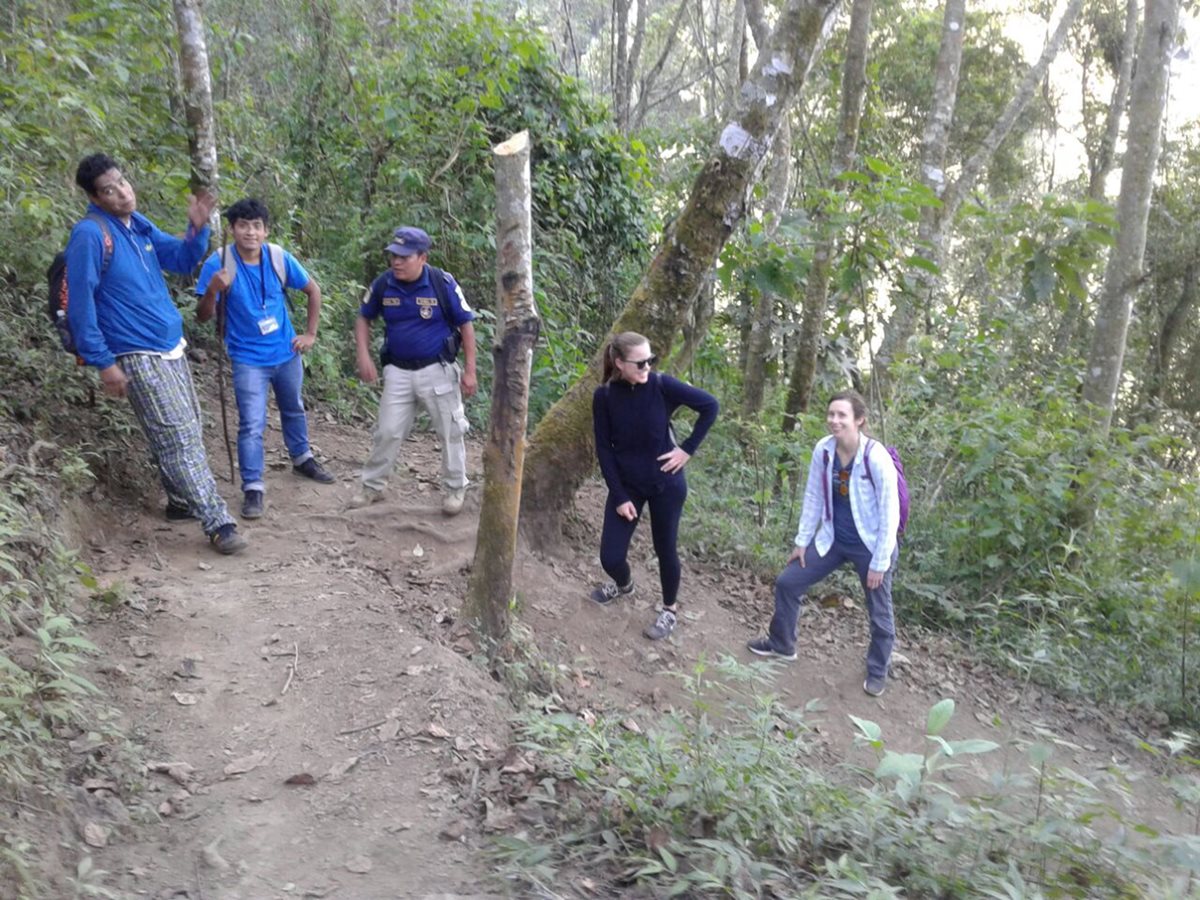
{"points": [[627, 510], [674, 460]]}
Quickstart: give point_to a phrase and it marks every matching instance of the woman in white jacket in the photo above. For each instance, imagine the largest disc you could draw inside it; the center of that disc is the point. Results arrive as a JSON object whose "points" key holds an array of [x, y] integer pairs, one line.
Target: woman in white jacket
{"points": [[851, 514]]}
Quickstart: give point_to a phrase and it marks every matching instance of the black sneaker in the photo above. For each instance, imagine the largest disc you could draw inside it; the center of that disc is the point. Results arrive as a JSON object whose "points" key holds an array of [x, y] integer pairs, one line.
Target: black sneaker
{"points": [[178, 512], [310, 468], [227, 541], [253, 505], [607, 593]]}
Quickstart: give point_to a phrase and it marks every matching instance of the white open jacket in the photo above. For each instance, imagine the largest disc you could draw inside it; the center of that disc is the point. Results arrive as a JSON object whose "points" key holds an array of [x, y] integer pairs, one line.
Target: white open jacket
{"points": [[876, 506]]}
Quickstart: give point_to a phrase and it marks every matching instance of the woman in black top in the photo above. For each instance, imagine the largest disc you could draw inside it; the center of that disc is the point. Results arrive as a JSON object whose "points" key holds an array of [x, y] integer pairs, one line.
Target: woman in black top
{"points": [[642, 464]]}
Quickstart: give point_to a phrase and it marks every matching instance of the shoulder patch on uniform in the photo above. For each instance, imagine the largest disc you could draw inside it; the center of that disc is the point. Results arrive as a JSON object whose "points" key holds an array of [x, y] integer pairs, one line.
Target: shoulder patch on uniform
{"points": [[462, 301]]}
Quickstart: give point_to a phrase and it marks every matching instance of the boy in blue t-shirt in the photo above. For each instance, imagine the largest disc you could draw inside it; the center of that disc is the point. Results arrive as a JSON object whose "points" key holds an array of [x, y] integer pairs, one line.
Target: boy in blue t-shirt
{"points": [[250, 279]]}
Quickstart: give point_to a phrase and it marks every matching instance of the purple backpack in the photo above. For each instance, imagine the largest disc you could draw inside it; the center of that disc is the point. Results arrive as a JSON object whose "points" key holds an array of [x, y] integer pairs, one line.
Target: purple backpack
{"points": [[901, 482]]}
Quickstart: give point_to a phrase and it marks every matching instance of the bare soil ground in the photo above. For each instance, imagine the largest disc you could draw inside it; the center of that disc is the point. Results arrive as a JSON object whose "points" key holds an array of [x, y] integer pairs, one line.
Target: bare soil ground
{"points": [[314, 726]]}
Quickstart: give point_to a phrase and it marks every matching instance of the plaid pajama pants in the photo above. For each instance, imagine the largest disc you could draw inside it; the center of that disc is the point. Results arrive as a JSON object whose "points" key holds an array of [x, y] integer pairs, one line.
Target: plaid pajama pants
{"points": [[164, 401]]}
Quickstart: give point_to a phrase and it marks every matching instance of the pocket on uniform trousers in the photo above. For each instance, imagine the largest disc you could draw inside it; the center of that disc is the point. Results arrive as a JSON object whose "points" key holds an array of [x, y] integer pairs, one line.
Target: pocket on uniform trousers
{"points": [[449, 401]]}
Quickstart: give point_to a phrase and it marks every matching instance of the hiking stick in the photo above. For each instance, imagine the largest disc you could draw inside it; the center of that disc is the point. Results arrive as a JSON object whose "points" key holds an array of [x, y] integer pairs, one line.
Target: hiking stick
{"points": [[221, 303]]}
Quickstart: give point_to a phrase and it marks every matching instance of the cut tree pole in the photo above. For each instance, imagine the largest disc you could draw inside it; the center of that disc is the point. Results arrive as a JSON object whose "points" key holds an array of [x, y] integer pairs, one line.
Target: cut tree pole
{"points": [[196, 85], [517, 326]]}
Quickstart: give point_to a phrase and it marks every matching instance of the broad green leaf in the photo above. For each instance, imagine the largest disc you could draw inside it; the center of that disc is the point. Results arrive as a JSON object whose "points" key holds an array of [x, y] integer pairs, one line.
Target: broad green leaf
{"points": [[939, 716]]}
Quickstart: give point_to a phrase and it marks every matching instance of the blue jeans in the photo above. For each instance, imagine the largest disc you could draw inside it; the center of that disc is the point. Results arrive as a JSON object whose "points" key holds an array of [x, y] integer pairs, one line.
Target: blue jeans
{"points": [[250, 387], [794, 582]]}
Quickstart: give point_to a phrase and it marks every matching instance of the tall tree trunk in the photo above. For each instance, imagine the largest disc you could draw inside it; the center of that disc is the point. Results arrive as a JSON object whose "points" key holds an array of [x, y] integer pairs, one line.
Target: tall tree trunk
{"points": [[758, 346], [816, 292], [933, 175], [197, 94], [1101, 164], [935, 221], [504, 455], [561, 450], [1124, 270], [1164, 343], [646, 82]]}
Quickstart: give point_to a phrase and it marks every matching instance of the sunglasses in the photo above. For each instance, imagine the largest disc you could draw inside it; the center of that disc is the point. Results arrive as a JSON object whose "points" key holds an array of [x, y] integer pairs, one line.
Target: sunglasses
{"points": [[642, 363]]}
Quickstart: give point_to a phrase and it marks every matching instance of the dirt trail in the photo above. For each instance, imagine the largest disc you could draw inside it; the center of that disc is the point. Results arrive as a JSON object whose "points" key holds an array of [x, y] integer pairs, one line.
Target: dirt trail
{"points": [[328, 652]]}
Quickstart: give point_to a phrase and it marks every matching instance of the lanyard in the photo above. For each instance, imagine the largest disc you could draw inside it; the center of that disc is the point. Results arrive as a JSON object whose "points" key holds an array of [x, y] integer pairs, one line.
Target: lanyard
{"points": [[262, 274]]}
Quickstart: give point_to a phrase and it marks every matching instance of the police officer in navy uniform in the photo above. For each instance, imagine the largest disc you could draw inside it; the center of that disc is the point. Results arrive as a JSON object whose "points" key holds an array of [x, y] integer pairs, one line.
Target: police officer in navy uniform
{"points": [[418, 365]]}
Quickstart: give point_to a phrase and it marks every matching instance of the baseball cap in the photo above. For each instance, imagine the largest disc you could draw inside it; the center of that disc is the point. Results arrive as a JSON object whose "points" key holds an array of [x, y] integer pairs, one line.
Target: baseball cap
{"points": [[409, 241]]}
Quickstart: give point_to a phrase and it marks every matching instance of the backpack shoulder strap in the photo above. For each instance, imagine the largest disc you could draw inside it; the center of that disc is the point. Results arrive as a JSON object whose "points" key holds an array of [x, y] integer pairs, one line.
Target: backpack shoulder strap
{"points": [[375, 292], [278, 263], [867, 462], [437, 278], [105, 240]]}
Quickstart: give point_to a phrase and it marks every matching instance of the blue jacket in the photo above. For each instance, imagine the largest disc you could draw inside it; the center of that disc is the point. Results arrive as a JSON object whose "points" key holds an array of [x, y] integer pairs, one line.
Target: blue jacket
{"points": [[129, 310], [632, 429]]}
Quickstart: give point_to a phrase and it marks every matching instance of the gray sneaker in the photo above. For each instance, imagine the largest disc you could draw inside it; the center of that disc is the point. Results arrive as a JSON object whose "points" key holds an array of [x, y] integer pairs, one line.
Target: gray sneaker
{"points": [[607, 593], [365, 497], [875, 685], [662, 627]]}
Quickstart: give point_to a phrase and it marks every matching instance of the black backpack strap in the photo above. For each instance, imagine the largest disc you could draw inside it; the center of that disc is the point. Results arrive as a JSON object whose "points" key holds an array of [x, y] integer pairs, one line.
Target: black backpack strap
{"points": [[437, 278], [106, 242], [376, 294]]}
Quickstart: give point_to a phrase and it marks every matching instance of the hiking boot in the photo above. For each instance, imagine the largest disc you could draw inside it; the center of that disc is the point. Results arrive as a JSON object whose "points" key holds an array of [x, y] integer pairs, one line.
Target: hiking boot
{"points": [[662, 627], [875, 685], [762, 647], [227, 541], [452, 503], [310, 468], [178, 512], [365, 497], [253, 505], [607, 593]]}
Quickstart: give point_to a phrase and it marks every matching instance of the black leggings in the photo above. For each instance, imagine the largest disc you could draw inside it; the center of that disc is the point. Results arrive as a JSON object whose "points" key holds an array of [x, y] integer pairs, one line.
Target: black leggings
{"points": [[666, 506]]}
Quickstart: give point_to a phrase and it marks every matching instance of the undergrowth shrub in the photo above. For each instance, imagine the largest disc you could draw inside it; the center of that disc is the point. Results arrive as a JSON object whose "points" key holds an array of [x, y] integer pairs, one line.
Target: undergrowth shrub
{"points": [[724, 797]]}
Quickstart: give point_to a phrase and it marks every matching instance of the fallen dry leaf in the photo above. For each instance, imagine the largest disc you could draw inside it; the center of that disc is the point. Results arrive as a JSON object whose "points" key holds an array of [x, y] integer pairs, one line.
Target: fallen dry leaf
{"points": [[95, 835], [338, 771], [630, 725], [245, 764], [185, 699], [437, 730], [359, 865]]}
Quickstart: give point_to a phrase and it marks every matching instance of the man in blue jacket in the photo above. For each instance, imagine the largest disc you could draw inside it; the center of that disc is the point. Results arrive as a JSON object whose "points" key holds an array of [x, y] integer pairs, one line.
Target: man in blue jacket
{"points": [[126, 326], [250, 279]]}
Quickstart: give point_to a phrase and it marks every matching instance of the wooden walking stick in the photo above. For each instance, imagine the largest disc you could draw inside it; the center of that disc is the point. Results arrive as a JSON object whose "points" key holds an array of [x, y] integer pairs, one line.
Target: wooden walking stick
{"points": [[221, 302]]}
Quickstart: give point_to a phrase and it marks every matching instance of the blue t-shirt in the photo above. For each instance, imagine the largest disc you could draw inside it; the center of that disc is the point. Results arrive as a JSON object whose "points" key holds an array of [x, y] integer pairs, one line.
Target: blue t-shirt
{"points": [[256, 298], [845, 532], [412, 316]]}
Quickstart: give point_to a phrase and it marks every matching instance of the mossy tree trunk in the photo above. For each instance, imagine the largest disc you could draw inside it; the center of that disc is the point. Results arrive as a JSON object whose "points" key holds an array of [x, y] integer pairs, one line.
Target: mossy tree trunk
{"points": [[561, 453], [504, 455]]}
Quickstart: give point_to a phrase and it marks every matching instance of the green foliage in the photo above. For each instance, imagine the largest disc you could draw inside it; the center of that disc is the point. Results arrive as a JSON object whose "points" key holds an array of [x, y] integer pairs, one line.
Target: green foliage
{"points": [[723, 798], [41, 650]]}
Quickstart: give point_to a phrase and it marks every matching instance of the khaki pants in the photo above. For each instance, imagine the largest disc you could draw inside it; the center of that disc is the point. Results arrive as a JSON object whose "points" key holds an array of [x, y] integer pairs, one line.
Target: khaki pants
{"points": [[436, 388]]}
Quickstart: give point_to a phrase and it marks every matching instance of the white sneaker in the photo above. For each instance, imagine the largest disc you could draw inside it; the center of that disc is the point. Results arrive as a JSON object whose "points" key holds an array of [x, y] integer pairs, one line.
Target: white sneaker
{"points": [[452, 503], [365, 497]]}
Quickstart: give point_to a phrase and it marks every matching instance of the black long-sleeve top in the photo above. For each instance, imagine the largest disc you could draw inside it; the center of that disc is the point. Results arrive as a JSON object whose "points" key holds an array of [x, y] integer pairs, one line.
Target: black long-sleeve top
{"points": [[632, 426]]}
